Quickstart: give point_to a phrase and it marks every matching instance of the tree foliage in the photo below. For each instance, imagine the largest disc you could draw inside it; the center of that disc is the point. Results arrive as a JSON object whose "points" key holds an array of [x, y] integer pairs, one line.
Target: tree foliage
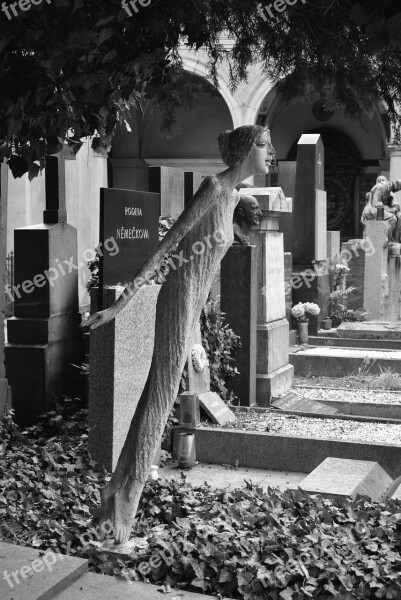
{"points": [[71, 69]]}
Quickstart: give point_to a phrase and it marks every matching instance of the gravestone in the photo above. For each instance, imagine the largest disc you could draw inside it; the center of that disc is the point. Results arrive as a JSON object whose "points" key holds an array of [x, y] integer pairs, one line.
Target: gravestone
{"points": [[310, 226], [120, 356], [343, 478], [131, 219], [367, 261], [274, 373], [169, 183], [294, 403], [286, 181], [333, 246], [44, 335], [192, 182], [198, 394], [239, 302], [5, 396]]}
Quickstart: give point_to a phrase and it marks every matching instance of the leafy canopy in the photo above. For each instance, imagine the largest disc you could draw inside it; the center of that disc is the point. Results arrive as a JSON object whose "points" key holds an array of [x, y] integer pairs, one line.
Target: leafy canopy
{"points": [[71, 69]]}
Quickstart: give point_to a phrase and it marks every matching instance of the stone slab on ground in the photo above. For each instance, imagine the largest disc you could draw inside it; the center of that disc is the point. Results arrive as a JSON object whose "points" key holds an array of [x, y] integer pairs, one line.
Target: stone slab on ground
{"points": [[216, 409], [220, 476], [295, 403], [43, 583], [103, 587], [343, 478], [371, 330], [339, 362]]}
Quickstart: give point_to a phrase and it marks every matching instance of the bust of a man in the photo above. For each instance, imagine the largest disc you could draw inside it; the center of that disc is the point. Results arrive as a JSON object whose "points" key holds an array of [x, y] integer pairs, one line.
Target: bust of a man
{"points": [[246, 214]]}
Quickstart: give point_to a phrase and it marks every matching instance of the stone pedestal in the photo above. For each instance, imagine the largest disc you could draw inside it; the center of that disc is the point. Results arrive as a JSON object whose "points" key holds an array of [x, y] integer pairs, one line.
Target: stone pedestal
{"points": [[274, 373], [44, 335], [120, 358], [239, 297], [367, 260]]}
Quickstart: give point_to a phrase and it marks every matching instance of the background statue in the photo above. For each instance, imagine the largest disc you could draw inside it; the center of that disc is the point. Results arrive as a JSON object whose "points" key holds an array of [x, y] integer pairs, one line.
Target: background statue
{"points": [[246, 214], [381, 195], [207, 219]]}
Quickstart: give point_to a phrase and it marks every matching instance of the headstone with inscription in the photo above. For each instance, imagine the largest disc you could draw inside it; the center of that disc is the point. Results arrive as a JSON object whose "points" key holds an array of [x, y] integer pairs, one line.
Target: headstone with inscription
{"points": [[310, 227], [131, 219], [274, 373]]}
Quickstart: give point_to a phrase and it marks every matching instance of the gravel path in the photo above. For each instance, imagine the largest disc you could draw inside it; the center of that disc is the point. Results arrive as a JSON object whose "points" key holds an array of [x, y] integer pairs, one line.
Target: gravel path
{"points": [[339, 429], [380, 397]]}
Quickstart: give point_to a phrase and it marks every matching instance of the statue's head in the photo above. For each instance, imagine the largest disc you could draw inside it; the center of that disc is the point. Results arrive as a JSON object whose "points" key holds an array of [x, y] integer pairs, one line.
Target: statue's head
{"points": [[249, 142], [247, 211], [381, 179]]}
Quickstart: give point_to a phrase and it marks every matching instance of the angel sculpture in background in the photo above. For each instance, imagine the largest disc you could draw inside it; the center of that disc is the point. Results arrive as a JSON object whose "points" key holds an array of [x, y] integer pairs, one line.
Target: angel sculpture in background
{"points": [[382, 196]]}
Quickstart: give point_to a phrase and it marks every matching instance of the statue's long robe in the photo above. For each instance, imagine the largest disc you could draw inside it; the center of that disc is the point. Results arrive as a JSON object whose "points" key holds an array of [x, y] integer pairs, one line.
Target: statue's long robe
{"points": [[179, 306]]}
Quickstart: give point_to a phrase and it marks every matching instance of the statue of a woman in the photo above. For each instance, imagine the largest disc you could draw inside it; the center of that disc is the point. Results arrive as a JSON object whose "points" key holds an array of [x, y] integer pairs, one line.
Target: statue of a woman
{"points": [[381, 195], [203, 232]]}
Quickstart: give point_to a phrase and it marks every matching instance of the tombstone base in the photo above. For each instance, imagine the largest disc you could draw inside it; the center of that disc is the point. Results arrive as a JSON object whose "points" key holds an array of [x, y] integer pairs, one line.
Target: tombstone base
{"points": [[46, 372], [272, 346], [342, 478], [315, 290], [274, 384]]}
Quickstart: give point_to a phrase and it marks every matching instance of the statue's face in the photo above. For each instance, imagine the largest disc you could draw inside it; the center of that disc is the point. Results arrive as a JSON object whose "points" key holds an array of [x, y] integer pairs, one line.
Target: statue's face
{"points": [[261, 155], [249, 211]]}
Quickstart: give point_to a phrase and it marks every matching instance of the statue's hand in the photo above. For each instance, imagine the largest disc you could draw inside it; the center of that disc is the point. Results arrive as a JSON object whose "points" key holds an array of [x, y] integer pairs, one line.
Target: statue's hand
{"points": [[99, 318]]}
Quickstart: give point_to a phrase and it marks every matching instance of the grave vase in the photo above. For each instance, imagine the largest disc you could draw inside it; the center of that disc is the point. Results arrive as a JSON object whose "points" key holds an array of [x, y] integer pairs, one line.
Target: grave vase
{"points": [[186, 456], [303, 332]]}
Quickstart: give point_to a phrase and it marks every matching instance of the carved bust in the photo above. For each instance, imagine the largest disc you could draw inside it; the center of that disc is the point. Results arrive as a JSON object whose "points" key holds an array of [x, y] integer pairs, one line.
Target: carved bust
{"points": [[246, 214]]}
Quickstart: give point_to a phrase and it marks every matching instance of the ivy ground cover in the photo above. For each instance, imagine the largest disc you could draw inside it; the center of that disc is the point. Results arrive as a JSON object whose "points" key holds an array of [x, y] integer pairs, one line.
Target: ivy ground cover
{"points": [[243, 543]]}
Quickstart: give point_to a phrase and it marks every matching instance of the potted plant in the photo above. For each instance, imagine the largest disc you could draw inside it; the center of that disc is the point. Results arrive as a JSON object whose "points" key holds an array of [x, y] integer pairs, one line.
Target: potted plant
{"points": [[301, 311]]}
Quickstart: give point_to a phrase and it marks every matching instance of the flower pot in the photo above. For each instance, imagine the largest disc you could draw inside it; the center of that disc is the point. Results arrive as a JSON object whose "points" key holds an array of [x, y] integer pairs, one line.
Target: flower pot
{"points": [[327, 323], [303, 332], [186, 454]]}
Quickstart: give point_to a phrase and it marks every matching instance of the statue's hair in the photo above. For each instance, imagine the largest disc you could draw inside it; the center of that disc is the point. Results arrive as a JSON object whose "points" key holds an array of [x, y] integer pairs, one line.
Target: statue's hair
{"points": [[236, 145]]}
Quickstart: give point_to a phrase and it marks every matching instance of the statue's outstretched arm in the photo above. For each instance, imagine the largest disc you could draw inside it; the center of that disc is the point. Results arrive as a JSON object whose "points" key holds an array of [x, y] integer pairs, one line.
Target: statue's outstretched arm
{"points": [[207, 194]]}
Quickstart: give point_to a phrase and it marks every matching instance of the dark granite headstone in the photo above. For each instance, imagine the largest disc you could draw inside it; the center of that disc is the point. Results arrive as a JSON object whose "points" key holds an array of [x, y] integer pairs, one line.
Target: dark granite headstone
{"points": [[44, 335], [239, 278], [169, 183], [286, 180], [4, 396], [310, 214], [131, 218]]}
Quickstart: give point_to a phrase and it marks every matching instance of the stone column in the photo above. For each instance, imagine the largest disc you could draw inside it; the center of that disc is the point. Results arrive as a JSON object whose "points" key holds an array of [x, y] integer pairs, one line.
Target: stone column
{"points": [[274, 373], [4, 396]]}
